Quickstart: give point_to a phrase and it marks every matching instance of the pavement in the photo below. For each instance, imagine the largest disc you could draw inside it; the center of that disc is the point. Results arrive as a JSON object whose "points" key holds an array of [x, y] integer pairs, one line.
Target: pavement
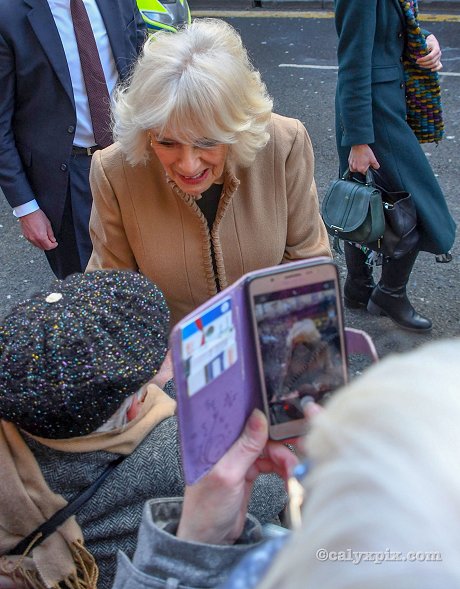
{"points": [[233, 5]]}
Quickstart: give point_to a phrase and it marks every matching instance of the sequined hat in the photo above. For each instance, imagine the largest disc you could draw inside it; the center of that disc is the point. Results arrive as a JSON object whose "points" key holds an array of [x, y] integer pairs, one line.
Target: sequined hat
{"points": [[70, 355]]}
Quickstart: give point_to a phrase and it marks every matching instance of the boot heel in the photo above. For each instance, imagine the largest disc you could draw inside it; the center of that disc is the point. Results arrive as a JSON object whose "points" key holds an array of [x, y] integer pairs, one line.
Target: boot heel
{"points": [[374, 309]]}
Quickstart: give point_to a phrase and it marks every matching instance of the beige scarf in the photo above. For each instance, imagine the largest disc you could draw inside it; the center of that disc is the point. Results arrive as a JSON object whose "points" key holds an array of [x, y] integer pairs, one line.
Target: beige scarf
{"points": [[61, 561]]}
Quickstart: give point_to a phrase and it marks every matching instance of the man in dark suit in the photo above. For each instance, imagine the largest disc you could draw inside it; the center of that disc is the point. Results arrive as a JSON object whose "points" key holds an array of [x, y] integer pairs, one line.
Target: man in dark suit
{"points": [[46, 130]]}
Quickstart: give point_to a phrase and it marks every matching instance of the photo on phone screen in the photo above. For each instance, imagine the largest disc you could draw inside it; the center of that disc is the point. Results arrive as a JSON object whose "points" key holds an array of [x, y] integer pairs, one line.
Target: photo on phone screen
{"points": [[300, 342]]}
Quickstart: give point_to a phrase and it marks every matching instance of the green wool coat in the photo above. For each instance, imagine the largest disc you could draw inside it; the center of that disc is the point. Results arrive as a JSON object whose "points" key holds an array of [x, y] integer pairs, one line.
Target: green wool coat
{"points": [[371, 109]]}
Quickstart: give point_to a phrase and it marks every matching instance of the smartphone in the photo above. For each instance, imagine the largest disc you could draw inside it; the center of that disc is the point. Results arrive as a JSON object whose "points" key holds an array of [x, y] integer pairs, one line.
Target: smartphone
{"points": [[299, 339]]}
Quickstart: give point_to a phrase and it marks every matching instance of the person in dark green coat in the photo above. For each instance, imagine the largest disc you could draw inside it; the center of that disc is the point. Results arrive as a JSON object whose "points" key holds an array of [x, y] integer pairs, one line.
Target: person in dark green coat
{"points": [[372, 131]]}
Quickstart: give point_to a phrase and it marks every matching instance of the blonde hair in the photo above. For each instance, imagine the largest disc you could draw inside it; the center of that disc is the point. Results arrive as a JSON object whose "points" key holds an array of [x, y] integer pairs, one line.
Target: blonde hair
{"points": [[385, 479], [194, 84]]}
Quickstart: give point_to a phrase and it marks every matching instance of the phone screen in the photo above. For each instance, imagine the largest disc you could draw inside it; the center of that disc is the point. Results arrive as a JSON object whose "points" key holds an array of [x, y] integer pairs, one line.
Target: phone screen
{"points": [[300, 338]]}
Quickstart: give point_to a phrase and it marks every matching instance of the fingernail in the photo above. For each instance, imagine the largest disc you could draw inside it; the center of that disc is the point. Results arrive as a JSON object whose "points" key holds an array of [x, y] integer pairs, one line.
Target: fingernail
{"points": [[310, 408], [305, 401]]}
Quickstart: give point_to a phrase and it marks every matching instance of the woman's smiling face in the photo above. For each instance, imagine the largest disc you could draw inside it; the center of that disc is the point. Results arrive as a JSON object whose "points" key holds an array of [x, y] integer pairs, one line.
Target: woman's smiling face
{"points": [[194, 168]]}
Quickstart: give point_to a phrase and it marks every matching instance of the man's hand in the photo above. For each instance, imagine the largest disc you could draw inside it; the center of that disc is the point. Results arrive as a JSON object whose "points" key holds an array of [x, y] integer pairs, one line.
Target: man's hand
{"points": [[215, 507], [36, 228], [362, 158], [432, 61]]}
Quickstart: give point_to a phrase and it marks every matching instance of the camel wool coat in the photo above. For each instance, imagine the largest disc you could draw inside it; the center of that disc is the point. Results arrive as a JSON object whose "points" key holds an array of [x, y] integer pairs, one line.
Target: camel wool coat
{"points": [[268, 214]]}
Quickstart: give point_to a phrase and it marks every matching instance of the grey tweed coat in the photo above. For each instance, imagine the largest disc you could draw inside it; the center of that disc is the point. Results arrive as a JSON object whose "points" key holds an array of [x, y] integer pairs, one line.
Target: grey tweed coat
{"points": [[111, 518]]}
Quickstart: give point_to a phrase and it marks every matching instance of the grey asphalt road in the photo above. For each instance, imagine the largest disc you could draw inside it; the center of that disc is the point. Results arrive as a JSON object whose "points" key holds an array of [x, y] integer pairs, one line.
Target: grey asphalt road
{"points": [[296, 56]]}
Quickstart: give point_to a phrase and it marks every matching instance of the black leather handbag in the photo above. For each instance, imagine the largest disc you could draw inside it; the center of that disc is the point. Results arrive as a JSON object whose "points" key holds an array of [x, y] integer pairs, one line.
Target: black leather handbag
{"points": [[352, 210], [401, 234]]}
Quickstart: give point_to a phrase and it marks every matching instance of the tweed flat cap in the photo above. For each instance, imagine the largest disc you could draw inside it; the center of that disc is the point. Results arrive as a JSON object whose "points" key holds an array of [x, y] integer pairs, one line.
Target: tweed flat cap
{"points": [[70, 355]]}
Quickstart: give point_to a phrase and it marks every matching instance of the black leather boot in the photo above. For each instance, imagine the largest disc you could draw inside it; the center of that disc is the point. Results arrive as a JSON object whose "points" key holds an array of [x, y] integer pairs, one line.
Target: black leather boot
{"points": [[359, 283], [389, 297]]}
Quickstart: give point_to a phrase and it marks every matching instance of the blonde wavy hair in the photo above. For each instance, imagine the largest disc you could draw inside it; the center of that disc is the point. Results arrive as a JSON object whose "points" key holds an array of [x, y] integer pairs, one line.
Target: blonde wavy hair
{"points": [[192, 85]]}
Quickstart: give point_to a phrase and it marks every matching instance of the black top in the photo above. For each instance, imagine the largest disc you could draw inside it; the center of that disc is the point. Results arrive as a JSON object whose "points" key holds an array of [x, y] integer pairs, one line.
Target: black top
{"points": [[208, 204]]}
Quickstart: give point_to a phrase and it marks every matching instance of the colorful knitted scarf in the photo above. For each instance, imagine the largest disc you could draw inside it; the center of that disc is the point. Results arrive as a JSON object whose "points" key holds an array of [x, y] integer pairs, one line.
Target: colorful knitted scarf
{"points": [[423, 94]]}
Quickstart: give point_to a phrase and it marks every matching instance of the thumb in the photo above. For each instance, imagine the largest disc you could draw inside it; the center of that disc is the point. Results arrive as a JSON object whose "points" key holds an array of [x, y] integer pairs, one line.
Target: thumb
{"points": [[251, 442], [50, 232]]}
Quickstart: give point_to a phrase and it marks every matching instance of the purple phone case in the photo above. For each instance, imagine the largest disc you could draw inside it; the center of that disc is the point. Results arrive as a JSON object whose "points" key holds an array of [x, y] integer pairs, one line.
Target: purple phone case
{"points": [[212, 419]]}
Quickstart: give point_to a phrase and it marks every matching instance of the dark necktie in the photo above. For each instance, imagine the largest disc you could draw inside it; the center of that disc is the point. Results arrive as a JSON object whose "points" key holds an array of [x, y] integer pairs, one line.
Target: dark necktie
{"points": [[93, 74]]}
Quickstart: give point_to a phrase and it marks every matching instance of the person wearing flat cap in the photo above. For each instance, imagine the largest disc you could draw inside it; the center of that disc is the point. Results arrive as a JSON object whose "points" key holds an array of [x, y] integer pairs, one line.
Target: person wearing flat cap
{"points": [[79, 364]]}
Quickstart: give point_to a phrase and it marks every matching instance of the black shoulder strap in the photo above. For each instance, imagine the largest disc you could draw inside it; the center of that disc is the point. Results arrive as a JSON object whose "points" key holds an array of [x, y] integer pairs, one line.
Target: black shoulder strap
{"points": [[50, 526]]}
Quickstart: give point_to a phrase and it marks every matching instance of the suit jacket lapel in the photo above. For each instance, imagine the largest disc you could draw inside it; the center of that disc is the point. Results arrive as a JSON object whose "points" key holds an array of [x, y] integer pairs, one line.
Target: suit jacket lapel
{"points": [[42, 22], [115, 27]]}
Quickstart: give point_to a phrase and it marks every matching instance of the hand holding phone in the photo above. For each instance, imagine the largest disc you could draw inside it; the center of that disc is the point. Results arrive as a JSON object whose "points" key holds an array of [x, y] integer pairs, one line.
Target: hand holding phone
{"points": [[215, 508], [268, 341]]}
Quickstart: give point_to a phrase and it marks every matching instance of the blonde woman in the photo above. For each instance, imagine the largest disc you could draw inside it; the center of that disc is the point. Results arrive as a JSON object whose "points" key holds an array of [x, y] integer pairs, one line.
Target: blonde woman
{"points": [[204, 182]]}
